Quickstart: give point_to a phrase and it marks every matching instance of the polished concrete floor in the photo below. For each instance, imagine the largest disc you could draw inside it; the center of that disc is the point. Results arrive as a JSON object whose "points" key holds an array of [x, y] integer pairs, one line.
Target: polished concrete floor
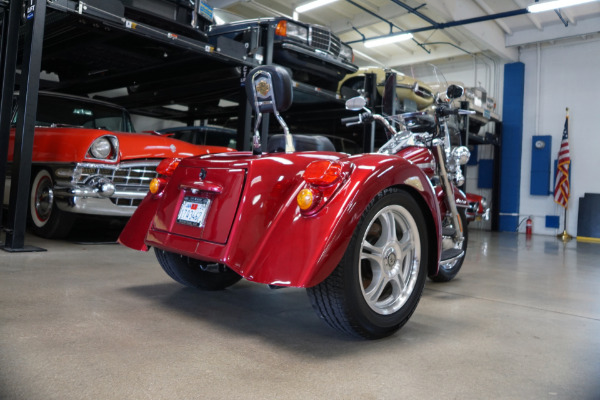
{"points": [[100, 321]]}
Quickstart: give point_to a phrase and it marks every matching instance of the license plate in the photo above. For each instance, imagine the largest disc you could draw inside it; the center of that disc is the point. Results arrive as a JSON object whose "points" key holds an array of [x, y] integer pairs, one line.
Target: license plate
{"points": [[193, 211]]}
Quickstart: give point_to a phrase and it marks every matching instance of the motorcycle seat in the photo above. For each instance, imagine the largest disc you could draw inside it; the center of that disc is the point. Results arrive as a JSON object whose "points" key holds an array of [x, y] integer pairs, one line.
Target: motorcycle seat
{"points": [[301, 143]]}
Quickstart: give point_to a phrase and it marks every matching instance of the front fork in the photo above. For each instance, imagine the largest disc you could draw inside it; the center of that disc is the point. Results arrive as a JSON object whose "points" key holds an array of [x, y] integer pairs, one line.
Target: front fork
{"points": [[450, 200]]}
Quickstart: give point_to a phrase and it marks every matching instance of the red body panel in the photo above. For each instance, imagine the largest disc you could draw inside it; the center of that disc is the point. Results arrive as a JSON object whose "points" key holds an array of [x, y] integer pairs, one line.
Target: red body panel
{"points": [[269, 240], [67, 145], [422, 157]]}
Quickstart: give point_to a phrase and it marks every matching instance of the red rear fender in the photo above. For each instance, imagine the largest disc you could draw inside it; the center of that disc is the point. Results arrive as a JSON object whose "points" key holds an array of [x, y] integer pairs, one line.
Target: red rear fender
{"points": [[258, 229], [135, 231]]}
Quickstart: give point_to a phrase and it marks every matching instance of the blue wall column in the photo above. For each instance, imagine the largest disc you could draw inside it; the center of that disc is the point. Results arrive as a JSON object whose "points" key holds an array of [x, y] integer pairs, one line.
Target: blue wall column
{"points": [[512, 146]]}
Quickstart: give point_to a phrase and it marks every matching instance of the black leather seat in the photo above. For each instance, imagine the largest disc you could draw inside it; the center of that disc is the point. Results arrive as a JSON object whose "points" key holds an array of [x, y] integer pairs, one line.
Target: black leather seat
{"points": [[301, 143]]}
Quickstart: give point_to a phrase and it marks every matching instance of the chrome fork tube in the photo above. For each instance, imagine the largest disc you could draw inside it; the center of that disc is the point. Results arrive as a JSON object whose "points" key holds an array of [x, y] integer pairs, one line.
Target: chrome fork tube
{"points": [[450, 200]]}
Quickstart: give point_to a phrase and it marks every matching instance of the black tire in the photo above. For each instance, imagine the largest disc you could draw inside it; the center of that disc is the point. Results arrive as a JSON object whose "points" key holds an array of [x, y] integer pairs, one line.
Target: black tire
{"points": [[45, 218], [398, 250], [188, 271], [448, 271]]}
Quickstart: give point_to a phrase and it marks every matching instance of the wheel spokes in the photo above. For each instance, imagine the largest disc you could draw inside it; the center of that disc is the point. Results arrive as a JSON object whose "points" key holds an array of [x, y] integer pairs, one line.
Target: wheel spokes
{"points": [[388, 227], [389, 260]]}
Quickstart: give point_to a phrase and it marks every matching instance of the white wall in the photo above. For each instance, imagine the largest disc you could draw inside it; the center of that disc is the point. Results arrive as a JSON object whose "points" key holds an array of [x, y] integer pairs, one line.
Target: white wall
{"points": [[569, 78]]}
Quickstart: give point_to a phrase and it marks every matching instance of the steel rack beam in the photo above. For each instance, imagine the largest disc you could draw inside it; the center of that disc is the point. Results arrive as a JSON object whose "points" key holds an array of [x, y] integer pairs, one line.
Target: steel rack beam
{"points": [[8, 63], [27, 100]]}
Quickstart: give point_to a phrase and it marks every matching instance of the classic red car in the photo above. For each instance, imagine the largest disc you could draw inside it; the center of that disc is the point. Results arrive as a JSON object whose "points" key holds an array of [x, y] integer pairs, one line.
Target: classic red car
{"points": [[478, 208], [88, 160]]}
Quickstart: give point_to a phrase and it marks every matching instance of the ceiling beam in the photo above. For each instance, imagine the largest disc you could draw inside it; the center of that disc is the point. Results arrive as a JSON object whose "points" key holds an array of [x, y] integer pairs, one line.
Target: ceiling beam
{"points": [[553, 32], [487, 34], [534, 20], [489, 11]]}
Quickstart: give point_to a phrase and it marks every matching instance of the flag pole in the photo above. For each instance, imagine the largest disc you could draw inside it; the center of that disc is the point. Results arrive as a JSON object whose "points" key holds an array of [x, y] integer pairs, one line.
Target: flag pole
{"points": [[564, 236]]}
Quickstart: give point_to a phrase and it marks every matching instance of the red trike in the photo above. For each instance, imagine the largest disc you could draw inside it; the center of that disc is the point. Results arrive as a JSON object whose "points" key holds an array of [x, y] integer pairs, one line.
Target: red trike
{"points": [[361, 233]]}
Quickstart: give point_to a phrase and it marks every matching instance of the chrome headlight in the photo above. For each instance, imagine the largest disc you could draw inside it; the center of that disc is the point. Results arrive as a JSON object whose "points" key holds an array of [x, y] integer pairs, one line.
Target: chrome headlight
{"points": [[100, 148], [291, 30], [461, 154], [346, 53], [104, 148]]}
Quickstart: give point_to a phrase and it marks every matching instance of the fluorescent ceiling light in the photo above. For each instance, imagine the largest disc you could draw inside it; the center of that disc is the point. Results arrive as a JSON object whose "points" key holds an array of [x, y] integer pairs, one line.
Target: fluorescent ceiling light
{"points": [[401, 37], [553, 5], [312, 4]]}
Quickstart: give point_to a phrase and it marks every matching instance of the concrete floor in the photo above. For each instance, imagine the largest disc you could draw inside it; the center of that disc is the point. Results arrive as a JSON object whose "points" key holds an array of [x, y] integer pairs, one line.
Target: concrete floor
{"points": [[85, 321]]}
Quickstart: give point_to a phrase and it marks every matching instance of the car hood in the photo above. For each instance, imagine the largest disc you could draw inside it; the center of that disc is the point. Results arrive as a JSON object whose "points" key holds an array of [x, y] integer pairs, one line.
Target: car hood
{"points": [[72, 144]]}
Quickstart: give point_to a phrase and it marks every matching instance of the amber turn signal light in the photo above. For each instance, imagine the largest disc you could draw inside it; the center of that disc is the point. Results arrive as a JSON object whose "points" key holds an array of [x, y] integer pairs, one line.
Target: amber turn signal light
{"points": [[156, 185], [305, 199]]}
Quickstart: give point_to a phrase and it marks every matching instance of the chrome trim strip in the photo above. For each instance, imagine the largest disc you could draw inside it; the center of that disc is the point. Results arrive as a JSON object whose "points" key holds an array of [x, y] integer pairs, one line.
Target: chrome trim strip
{"points": [[322, 56]]}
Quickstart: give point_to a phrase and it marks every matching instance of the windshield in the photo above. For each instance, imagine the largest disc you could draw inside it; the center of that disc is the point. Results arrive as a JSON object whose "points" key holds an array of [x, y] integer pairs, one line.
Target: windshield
{"points": [[66, 111]]}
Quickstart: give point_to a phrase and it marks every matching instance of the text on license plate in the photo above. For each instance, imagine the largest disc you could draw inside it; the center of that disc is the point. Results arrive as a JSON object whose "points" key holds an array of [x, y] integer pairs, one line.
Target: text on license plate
{"points": [[193, 211]]}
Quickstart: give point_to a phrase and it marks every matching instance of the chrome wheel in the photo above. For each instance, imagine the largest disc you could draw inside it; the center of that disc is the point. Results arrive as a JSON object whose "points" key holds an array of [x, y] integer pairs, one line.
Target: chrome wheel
{"points": [[389, 259], [42, 199], [379, 281], [45, 218]]}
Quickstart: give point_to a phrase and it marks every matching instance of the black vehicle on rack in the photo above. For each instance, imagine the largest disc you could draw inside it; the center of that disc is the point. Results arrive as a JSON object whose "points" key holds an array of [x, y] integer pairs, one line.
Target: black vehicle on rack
{"points": [[314, 54]]}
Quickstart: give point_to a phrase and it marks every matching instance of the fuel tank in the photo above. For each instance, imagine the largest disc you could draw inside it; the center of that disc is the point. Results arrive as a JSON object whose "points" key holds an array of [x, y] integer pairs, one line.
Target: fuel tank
{"points": [[422, 157]]}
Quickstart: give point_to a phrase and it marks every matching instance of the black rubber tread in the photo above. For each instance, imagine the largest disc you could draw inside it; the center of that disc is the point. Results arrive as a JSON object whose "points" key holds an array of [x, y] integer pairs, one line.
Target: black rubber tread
{"points": [[333, 304], [59, 224], [445, 275], [186, 271], [326, 301]]}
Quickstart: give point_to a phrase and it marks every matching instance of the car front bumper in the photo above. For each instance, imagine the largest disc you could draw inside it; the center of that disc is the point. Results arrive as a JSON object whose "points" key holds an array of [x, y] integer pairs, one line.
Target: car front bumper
{"points": [[99, 189]]}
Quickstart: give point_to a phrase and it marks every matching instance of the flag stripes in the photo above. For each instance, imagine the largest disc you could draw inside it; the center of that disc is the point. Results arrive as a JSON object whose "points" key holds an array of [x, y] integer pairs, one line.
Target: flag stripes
{"points": [[561, 190]]}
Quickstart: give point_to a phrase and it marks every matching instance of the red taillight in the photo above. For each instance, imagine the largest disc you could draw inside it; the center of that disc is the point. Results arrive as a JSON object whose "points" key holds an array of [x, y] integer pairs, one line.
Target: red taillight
{"points": [[168, 166], [323, 173], [323, 179]]}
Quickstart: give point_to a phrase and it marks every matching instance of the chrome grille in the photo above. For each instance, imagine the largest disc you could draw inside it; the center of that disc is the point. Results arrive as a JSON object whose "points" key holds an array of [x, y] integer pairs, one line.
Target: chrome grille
{"points": [[127, 177], [323, 39]]}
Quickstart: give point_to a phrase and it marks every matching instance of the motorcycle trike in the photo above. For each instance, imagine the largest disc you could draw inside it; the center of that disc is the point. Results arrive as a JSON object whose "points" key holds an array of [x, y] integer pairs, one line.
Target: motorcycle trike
{"points": [[361, 233]]}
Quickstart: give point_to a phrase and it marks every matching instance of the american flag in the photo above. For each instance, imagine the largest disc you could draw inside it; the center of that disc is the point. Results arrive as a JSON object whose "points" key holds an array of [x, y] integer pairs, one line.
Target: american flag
{"points": [[561, 190]]}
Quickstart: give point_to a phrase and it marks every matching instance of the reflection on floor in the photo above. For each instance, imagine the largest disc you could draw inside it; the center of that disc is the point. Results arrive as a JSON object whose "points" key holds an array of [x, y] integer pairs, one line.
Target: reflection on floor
{"points": [[521, 321]]}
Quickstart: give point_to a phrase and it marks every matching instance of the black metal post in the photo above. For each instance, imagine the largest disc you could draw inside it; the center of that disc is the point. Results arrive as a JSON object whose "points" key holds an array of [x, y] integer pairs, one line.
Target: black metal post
{"points": [[370, 89], [268, 43], [10, 40], [27, 102], [244, 133]]}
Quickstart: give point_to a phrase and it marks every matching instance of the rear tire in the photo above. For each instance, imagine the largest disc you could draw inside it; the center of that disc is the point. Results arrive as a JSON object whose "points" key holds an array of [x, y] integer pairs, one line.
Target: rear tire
{"points": [[377, 285], [45, 218], [188, 271]]}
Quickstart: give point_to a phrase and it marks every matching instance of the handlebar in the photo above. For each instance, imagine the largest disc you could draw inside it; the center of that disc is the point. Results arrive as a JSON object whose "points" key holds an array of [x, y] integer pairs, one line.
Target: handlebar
{"points": [[445, 112], [351, 120], [358, 119]]}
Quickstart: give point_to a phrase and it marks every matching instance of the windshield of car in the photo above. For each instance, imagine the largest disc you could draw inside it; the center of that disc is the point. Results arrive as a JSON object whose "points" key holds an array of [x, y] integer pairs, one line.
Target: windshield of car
{"points": [[66, 111], [206, 136]]}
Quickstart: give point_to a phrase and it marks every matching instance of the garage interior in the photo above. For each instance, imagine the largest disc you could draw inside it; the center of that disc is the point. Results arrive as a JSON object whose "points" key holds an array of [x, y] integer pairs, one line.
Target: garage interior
{"points": [[84, 317]]}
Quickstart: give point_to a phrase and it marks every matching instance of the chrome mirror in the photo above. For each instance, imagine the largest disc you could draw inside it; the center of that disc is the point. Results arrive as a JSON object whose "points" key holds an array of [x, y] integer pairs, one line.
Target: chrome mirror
{"points": [[356, 103]]}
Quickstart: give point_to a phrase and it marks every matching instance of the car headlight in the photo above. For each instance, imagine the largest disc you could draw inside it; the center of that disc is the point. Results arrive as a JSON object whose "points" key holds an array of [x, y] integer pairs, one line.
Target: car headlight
{"points": [[347, 53], [101, 148], [291, 30]]}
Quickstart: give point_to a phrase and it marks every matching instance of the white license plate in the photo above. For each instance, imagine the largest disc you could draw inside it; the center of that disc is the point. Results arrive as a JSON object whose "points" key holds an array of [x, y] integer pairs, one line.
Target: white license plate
{"points": [[193, 211]]}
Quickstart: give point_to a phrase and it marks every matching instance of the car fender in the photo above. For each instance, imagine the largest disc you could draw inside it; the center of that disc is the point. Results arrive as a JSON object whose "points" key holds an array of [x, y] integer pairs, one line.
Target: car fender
{"points": [[301, 251]]}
